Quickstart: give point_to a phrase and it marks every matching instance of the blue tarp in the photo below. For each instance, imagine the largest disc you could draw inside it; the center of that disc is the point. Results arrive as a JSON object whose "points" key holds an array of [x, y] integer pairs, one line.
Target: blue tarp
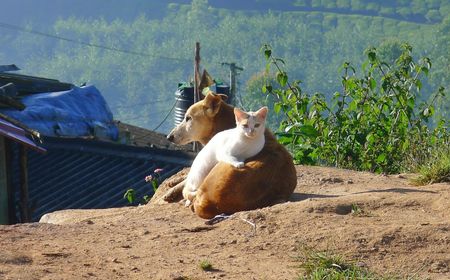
{"points": [[81, 111]]}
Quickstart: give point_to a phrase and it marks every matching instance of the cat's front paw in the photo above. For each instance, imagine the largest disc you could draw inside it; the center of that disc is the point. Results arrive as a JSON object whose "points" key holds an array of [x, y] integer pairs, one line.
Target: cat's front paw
{"points": [[187, 203], [239, 164]]}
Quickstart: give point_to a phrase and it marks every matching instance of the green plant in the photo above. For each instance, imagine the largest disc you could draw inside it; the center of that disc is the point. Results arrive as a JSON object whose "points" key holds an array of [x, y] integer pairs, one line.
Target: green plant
{"points": [[153, 179], [377, 123], [130, 195], [436, 170], [323, 265], [205, 265], [356, 210]]}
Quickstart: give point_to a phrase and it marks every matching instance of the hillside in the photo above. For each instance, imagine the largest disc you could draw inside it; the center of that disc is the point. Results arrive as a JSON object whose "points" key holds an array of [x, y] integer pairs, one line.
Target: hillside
{"points": [[397, 229], [136, 55]]}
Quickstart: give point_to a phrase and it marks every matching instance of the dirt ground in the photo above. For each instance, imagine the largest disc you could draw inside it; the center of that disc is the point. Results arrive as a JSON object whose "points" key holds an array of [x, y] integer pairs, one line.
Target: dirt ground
{"points": [[400, 229]]}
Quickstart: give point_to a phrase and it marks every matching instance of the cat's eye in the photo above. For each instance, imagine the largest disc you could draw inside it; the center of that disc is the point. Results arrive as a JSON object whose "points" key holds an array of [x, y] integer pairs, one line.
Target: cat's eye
{"points": [[188, 118], [245, 125], [257, 125]]}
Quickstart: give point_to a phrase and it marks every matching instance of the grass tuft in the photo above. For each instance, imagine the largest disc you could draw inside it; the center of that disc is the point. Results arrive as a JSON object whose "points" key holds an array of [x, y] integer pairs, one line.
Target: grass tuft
{"points": [[205, 265], [437, 170], [323, 265]]}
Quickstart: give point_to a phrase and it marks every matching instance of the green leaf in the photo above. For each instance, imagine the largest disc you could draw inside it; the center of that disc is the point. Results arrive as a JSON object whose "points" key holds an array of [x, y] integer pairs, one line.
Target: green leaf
{"points": [[371, 54], [372, 83], [411, 103], [155, 185], [267, 53], [264, 89], [418, 84], [370, 138], [381, 158], [130, 195], [282, 78], [277, 107], [352, 106], [309, 131]]}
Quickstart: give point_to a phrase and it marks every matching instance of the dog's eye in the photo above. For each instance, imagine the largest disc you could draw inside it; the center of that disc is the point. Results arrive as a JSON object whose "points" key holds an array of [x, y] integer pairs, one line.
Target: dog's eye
{"points": [[188, 118]]}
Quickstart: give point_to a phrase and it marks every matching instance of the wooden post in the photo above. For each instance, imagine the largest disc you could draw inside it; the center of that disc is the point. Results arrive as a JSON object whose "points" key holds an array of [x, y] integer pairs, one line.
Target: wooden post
{"points": [[4, 195], [10, 187], [197, 93], [24, 210], [197, 73]]}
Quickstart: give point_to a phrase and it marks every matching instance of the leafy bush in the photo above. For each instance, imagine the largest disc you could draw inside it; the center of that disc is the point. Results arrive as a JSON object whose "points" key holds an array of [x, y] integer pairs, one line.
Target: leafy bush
{"points": [[377, 123]]}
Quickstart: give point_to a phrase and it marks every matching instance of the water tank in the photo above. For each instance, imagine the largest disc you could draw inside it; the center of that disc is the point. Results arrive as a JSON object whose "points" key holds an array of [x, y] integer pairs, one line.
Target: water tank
{"points": [[184, 97], [225, 89]]}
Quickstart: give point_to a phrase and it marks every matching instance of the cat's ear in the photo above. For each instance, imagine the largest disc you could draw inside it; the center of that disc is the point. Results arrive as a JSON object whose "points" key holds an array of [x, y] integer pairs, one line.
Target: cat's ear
{"points": [[239, 114], [212, 103], [262, 113]]}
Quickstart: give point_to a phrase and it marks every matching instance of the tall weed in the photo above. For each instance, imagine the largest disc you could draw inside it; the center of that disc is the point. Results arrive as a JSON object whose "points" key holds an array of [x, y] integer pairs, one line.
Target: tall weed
{"points": [[376, 123]]}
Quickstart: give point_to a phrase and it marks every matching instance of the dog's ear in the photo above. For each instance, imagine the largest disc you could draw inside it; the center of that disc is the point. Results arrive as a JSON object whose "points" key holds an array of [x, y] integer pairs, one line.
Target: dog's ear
{"points": [[223, 96], [208, 91], [212, 103]]}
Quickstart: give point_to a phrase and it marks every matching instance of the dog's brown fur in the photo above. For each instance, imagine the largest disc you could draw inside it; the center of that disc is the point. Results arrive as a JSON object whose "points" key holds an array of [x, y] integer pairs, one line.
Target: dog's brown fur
{"points": [[266, 179]]}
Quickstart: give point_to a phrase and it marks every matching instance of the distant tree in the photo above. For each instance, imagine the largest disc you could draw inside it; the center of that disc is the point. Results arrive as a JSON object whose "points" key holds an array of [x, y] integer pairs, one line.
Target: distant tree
{"points": [[343, 4], [419, 7], [433, 16], [433, 4], [316, 3], [253, 98], [404, 12], [329, 22], [373, 7], [330, 4], [441, 72], [389, 50], [387, 11], [301, 3], [358, 5]]}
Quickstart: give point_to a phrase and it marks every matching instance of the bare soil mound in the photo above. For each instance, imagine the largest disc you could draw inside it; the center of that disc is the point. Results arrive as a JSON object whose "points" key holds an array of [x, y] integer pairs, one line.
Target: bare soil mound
{"points": [[382, 222]]}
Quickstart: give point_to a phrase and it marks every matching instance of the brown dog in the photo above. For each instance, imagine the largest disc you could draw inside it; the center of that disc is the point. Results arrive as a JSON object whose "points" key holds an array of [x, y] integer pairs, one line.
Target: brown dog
{"points": [[267, 178]]}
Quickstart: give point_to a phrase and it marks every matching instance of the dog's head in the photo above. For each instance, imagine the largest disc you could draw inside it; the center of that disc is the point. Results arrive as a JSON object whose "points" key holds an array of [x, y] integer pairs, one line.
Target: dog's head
{"points": [[199, 121]]}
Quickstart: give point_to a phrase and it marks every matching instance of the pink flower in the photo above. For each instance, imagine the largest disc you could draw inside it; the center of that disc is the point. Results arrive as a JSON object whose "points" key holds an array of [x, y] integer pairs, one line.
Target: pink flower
{"points": [[158, 170], [148, 178]]}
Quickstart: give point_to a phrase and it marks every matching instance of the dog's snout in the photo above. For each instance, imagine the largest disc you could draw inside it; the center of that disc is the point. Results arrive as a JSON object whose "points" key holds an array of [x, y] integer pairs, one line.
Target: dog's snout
{"points": [[170, 137]]}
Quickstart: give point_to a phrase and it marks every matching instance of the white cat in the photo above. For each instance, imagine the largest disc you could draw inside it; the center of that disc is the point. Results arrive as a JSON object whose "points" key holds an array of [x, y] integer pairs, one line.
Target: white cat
{"points": [[233, 146]]}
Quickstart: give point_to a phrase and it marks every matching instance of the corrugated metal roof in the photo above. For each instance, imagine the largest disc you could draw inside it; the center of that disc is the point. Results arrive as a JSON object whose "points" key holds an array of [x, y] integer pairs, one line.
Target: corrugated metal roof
{"points": [[86, 174], [142, 137], [16, 133]]}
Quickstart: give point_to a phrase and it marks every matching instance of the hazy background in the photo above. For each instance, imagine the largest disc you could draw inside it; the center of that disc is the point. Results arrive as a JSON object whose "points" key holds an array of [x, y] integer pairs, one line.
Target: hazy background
{"points": [[136, 52]]}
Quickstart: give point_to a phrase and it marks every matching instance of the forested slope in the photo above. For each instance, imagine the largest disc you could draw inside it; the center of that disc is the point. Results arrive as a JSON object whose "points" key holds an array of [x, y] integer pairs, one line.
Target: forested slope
{"points": [[156, 52]]}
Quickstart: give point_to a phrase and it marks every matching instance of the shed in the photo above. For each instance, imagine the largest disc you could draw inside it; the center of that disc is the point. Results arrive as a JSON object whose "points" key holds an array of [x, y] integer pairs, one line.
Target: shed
{"points": [[90, 160]]}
